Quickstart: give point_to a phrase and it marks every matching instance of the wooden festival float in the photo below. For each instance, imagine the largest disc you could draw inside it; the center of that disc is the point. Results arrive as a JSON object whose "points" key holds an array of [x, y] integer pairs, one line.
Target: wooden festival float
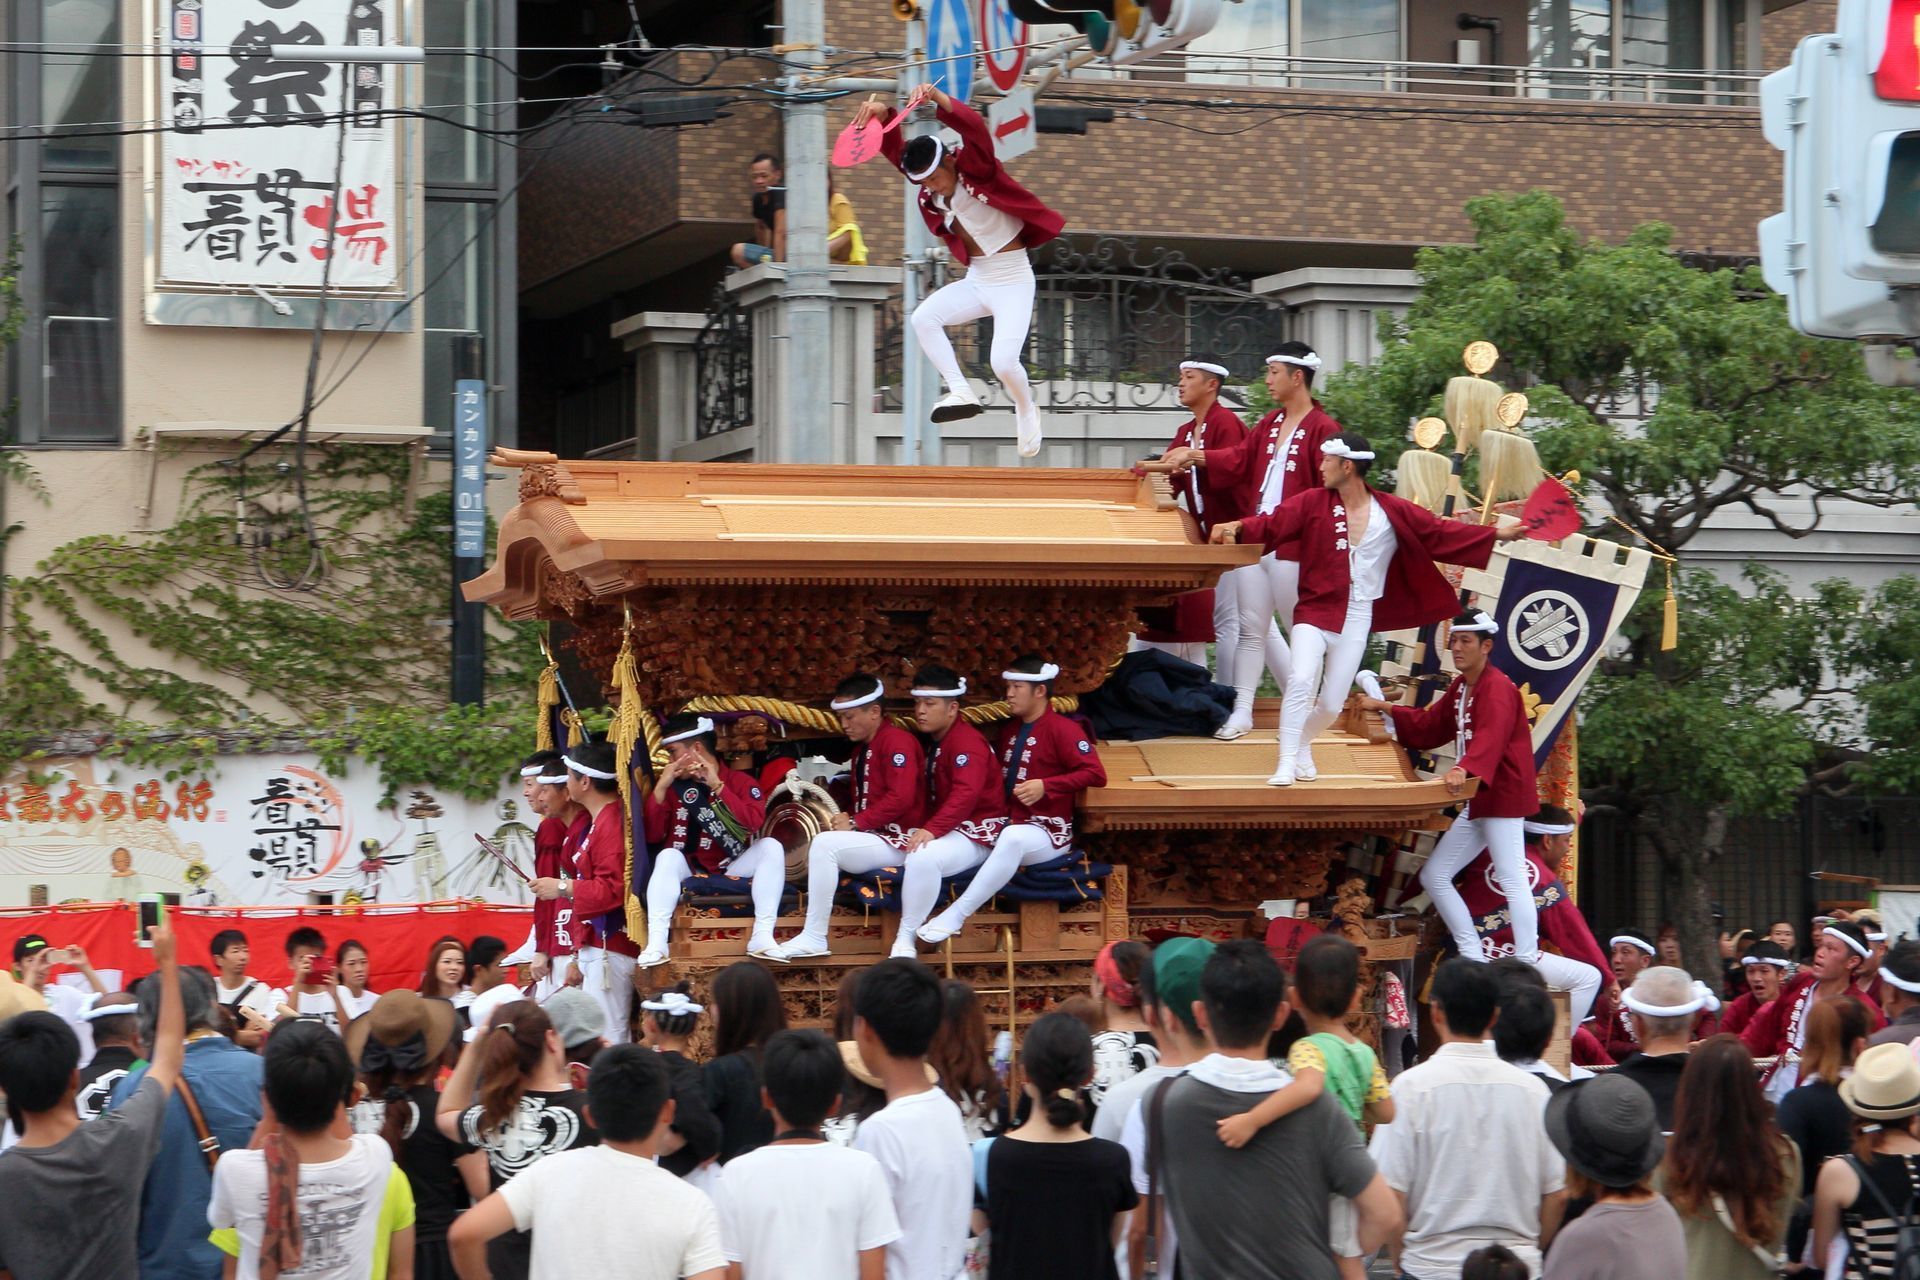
{"points": [[746, 592]]}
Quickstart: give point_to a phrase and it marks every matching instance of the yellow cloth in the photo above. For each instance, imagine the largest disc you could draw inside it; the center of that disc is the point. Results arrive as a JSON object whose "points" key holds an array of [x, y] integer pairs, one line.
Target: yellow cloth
{"points": [[396, 1214], [841, 217], [1306, 1056]]}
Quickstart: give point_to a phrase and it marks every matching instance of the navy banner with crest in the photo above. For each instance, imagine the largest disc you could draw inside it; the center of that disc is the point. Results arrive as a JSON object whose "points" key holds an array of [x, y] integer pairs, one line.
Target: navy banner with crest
{"points": [[1554, 624]]}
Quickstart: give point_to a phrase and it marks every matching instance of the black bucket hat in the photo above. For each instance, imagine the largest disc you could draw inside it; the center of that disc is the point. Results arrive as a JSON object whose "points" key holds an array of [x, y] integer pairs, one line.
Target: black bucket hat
{"points": [[1607, 1129]]}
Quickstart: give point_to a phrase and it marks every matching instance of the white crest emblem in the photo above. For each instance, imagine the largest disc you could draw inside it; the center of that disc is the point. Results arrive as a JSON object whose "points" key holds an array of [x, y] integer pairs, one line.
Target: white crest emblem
{"points": [[1085, 746], [960, 761], [1533, 876], [756, 793], [690, 796], [1550, 630], [899, 758]]}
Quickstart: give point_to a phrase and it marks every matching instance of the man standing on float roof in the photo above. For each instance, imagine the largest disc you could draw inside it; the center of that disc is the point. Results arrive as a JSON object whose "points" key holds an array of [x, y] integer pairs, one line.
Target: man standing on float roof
{"points": [[988, 222], [1366, 564]]}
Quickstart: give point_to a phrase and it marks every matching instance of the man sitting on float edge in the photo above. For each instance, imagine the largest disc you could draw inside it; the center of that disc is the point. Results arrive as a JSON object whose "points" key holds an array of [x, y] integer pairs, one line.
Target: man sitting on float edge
{"points": [[888, 804], [700, 817], [1046, 761]]}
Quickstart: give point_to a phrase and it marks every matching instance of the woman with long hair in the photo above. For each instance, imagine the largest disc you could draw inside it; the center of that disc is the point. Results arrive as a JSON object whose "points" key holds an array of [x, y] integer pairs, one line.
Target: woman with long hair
{"points": [[1864, 1196], [858, 1099], [1055, 1194], [1126, 1046], [445, 976], [746, 1010], [961, 1055], [1729, 1172], [1812, 1114], [511, 1097], [396, 1048]]}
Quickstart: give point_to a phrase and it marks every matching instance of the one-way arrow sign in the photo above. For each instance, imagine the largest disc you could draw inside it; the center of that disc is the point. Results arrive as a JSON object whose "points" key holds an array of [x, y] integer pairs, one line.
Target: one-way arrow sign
{"points": [[1011, 121]]}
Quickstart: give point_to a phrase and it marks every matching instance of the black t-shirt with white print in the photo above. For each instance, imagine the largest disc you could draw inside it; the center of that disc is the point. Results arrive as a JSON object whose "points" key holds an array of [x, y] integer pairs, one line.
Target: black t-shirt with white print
{"points": [[98, 1077], [542, 1124]]}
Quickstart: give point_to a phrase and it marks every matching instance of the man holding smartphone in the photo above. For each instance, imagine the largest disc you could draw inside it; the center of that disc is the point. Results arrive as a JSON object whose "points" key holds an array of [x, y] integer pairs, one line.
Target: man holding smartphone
{"points": [[33, 962], [316, 985]]}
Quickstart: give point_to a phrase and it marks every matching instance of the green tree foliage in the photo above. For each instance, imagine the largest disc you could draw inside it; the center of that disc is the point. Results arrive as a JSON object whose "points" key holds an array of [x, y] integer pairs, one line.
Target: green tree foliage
{"points": [[1748, 417]]}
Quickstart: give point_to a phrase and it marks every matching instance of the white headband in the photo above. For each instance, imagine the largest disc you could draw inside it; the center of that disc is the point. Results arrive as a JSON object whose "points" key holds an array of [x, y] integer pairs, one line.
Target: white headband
{"points": [[1206, 366], [1779, 963], [1863, 952], [532, 771], [700, 726], [1339, 449], [1533, 828], [552, 779], [848, 704], [939, 154], [1308, 361], [674, 1004], [1482, 624], [1047, 674], [954, 692], [95, 1012], [585, 772], [1627, 939], [1703, 998], [1911, 988], [1875, 937]]}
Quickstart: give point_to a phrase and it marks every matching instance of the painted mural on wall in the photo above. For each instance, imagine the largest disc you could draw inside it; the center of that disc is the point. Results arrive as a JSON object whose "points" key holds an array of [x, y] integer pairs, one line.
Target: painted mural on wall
{"points": [[249, 830]]}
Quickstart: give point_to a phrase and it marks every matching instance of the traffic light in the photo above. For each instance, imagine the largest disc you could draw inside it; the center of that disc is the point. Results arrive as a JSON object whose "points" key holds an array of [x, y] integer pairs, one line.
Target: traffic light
{"points": [[1845, 250], [1174, 25]]}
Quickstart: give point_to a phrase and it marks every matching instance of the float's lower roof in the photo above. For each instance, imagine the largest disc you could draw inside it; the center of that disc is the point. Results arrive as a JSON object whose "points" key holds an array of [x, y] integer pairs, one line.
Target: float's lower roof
{"points": [[623, 526]]}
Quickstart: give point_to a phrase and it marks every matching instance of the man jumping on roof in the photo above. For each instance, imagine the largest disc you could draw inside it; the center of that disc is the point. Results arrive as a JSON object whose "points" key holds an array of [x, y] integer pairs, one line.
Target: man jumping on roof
{"points": [[988, 222]]}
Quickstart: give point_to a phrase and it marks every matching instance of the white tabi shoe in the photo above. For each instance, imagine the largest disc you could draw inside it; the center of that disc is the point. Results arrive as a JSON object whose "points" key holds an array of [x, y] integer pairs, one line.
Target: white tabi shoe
{"points": [[798, 947], [1239, 722], [955, 405], [908, 952], [1284, 777], [651, 958], [764, 949], [937, 930], [1370, 685], [1303, 767], [1027, 429]]}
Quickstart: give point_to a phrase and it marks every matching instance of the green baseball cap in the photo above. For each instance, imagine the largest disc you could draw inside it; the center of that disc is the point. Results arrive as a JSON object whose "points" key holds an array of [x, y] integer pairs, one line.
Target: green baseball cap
{"points": [[1177, 963]]}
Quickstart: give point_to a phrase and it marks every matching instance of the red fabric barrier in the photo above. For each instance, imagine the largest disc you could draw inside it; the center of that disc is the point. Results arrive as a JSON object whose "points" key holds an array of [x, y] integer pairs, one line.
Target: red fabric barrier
{"points": [[397, 938]]}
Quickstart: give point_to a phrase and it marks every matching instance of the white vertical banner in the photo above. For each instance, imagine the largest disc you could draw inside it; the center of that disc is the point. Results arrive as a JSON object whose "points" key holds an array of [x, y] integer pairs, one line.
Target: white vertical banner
{"points": [[248, 166]]}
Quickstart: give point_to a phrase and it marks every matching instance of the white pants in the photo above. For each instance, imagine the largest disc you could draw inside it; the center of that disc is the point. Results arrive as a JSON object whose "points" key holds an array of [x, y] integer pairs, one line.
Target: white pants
{"points": [[556, 978], [1186, 652], [1581, 981], [998, 285], [607, 976], [1324, 665], [1020, 845], [1506, 843], [764, 863], [927, 866], [835, 853], [1263, 589]]}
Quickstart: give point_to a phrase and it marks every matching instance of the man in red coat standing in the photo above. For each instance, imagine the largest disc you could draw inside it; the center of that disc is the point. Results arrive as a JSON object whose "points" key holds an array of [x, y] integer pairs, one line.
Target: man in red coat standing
{"points": [[594, 885], [965, 808], [1278, 459], [1046, 761], [701, 818], [549, 945], [988, 222], [889, 802], [1483, 716], [1366, 564], [1779, 1031]]}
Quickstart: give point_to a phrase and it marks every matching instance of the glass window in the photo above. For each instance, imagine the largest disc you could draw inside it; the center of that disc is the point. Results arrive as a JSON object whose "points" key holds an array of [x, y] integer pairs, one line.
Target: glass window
{"points": [[1253, 27], [456, 155], [457, 303], [78, 88], [1365, 30], [79, 312], [1573, 34], [1663, 34]]}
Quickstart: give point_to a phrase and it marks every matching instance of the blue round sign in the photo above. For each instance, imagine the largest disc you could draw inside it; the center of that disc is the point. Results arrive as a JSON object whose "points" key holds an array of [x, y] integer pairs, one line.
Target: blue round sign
{"points": [[950, 48]]}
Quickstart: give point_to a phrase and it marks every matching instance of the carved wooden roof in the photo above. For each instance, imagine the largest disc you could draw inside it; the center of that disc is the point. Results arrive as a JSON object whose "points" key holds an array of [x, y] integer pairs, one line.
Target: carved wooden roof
{"points": [[616, 527]]}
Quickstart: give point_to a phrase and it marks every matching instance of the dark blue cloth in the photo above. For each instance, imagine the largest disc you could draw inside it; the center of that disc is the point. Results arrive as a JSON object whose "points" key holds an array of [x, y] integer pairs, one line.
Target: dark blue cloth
{"points": [[735, 890], [1010, 771], [1153, 694], [1069, 878], [225, 1080]]}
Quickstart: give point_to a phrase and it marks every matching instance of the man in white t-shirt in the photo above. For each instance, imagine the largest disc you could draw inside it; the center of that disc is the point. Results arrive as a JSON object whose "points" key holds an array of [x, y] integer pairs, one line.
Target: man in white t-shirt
{"points": [[609, 1211], [316, 986], [250, 1003], [1468, 1151], [343, 1192], [801, 1208], [918, 1137], [33, 962]]}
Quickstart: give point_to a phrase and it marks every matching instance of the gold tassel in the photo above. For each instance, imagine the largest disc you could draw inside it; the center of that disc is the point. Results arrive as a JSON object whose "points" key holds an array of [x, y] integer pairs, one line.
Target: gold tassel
{"points": [[625, 732], [1670, 615], [1469, 407], [1422, 477], [1509, 466], [548, 698]]}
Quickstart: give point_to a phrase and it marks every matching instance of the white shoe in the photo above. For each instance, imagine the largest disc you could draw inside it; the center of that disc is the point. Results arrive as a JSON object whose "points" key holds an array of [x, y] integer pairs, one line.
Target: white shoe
{"points": [[763, 949], [908, 952], [1239, 722], [651, 958], [1283, 778], [798, 947], [937, 930], [956, 405], [1370, 685], [1027, 428], [1303, 766]]}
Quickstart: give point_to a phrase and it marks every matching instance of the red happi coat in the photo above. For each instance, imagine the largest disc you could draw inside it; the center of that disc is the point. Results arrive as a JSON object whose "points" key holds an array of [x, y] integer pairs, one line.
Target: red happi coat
{"points": [[552, 936], [1561, 925], [1738, 1016], [1416, 594], [1272, 444], [599, 862], [1779, 1030], [1213, 497], [979, 172], [1496, 744], [887, 771], [669, 822], [1060, 753], [963, 791]]}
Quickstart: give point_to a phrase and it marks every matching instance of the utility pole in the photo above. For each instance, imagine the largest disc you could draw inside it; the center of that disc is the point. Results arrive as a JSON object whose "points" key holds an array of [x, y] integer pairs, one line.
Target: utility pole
{"points": [[919, 383], [809, 291]]}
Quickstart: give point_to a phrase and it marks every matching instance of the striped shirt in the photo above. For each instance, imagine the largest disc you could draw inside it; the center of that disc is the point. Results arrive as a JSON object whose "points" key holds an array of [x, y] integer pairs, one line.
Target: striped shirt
{"points": [[1871, 1235]]}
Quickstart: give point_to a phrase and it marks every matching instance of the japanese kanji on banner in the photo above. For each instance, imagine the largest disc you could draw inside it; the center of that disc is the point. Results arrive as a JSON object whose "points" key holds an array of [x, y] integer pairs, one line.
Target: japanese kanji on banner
{"points": [[250, 205]]}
